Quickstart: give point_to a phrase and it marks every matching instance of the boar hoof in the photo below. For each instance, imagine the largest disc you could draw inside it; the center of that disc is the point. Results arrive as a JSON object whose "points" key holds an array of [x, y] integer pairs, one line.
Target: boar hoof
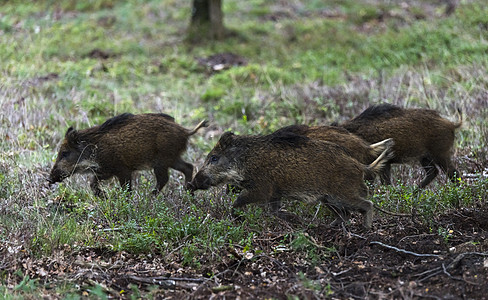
{"points": [[288, 216], [190, 187], [337, 222]]}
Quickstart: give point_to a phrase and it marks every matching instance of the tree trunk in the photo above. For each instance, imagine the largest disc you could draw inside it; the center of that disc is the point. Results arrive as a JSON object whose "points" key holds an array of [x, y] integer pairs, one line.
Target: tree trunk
{"points": [[206, 21]]}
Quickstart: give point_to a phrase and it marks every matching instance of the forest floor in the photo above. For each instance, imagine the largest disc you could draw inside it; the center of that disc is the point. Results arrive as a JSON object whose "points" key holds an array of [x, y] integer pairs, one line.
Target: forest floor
{"points": [[399, 258]]}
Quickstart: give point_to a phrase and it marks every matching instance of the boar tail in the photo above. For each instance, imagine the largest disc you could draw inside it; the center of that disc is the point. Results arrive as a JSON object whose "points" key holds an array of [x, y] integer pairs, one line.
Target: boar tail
{"points": [[459, 122], [379, 147], [203, 123], [376, 166]]}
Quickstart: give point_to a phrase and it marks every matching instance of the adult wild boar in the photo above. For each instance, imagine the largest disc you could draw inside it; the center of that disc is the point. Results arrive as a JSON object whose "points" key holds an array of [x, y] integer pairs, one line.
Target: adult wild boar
{"points": [[284, 164], [122, 145], [419, 134], [352, 144]]}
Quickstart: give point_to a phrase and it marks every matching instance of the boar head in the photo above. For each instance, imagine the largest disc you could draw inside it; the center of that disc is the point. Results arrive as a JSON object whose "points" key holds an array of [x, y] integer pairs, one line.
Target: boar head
{"points": [[73, 157], [220, 166]]}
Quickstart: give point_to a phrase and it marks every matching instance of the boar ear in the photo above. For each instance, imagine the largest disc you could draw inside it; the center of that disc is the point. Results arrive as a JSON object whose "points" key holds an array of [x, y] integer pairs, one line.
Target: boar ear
{"points": [[72, 137], [226, 139]]}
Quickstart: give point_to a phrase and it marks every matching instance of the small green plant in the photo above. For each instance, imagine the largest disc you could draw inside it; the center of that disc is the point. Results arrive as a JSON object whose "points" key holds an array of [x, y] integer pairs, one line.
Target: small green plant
{"points": [[98, 292], [27, 284], [213, 94], [445, 233], [309, 284], [303, 243]]}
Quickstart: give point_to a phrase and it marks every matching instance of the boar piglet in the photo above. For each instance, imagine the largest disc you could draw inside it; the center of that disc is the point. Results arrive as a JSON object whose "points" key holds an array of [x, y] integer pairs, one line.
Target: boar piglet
{"points": [[284, 164], [420, 135], [122, 145], [355, 146]]}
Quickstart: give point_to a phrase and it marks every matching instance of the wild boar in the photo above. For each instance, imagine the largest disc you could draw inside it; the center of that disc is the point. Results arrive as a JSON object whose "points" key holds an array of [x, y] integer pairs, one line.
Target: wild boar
{"points": [[284, 164], [352, 144], [419, 134], [122, 145]]}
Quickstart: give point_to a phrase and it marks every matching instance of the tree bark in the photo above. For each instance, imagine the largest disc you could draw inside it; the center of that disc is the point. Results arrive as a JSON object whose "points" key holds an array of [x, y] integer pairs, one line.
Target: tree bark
{"points": [[206, 21]]}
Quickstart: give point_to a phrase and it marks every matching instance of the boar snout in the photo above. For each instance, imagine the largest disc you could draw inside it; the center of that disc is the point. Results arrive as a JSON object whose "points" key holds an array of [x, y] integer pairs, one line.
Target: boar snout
{"points": [[199, 182], [56, 176], [50, 180]]}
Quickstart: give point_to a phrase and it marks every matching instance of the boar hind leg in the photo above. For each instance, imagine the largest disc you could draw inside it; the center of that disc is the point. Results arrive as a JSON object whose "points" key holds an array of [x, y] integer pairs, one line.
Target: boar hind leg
{"points": [[447, 167], [430, 169], [453, 175], [185, 168], [162, 177], [275, 206], [385, 175]]}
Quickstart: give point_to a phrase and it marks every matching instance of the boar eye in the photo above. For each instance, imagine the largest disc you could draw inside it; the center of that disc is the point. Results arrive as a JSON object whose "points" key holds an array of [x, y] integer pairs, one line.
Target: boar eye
{"points": [[64, 154], [214, 159]]}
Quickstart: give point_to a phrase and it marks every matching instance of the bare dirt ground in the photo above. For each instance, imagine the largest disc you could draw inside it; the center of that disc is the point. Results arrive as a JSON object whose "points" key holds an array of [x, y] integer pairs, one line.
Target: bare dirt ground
{"points": [[399, 259]]}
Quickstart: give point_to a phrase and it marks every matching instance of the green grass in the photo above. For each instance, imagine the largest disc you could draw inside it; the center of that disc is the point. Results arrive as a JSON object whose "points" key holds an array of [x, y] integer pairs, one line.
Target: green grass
{"points": [[305, 68]]}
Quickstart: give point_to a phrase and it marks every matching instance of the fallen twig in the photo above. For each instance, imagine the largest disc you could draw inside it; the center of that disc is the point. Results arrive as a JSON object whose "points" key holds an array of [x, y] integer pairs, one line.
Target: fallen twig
{"points": [[120, 228], [169, 282], [347, 232], [403, 250], [341, 272], [138, 278], [443, 269], [477, 164], [416, 236]]}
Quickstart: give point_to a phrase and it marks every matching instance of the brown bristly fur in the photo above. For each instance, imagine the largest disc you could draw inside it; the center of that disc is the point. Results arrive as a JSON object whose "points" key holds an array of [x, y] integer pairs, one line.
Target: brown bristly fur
{"points": [[285, 164], [419, 134], [122, 145]]}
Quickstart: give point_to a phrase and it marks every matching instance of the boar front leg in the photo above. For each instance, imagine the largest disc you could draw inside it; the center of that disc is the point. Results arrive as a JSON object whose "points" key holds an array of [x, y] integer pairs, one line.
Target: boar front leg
{"points": [[341, 213], [385, 176], [430, 169], [95, 185], [447, 167], [365, 207], [248, 196], [125, 180]]}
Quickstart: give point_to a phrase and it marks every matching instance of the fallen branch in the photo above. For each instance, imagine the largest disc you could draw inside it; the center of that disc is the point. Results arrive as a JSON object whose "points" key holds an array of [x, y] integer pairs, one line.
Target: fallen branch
{"points": [[341, 272], [349, 234], [168, 282], [199, 280], [453, 265], [416, 236], [404, 251]]}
